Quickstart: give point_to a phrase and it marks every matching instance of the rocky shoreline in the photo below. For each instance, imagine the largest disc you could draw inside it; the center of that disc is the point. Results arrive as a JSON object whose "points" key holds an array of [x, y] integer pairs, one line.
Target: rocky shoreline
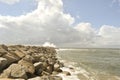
{"points": [[29, 63]]}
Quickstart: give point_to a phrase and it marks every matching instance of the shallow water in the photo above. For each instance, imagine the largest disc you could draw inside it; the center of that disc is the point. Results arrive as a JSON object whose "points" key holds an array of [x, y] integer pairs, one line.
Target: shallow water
{"points": [[102, 62]]}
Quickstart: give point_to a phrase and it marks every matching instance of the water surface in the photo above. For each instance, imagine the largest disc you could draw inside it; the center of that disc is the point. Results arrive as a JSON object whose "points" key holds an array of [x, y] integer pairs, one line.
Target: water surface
{"points": [[99, 61]]}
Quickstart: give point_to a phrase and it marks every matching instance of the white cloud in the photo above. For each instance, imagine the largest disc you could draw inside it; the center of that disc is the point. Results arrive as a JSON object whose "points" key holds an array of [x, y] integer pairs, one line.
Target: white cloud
{"points": [[110, 35], [48, 23], [85, 27], [9, 1]]}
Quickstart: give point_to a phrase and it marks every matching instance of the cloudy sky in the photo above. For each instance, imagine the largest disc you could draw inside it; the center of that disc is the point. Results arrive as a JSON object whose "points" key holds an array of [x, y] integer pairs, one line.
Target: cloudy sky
{"points": [[65, 23]]}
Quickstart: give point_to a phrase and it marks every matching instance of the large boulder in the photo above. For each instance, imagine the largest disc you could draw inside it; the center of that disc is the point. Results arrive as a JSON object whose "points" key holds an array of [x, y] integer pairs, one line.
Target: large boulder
{"points": [[11, 57], [18, 71], [14, 71], [28, 66]]}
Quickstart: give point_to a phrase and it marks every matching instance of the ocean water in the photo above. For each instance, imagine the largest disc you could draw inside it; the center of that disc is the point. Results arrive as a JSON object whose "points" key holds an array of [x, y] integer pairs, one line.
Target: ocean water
{"points": [[101, 63]]}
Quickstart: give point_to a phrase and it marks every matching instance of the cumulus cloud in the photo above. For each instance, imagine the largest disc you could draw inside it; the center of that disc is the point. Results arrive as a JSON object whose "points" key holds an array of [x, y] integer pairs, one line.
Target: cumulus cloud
{"points": [[110, 36], [48, 23], [9, 1]]}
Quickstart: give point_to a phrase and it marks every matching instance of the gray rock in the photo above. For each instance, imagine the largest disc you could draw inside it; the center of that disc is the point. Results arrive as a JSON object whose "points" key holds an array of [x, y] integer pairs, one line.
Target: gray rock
{"points": [[3, 63]]}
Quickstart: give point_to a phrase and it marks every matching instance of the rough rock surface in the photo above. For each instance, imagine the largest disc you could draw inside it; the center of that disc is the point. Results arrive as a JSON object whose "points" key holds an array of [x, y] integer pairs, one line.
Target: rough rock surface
{"points": [[29, 62], [3, 63]]}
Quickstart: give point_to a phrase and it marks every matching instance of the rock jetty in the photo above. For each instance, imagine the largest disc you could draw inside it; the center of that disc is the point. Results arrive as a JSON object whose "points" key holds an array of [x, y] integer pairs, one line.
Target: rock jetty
{"points": [[29, 63]]}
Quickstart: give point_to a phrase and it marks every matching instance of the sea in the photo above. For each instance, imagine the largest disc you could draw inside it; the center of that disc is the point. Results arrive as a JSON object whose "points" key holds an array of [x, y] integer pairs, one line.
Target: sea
{"points": [[91, 63]]}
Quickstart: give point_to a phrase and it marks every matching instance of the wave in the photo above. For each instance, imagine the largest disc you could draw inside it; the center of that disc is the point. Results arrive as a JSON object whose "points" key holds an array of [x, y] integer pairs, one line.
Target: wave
{"points": [[81, 72], [77, 73]]}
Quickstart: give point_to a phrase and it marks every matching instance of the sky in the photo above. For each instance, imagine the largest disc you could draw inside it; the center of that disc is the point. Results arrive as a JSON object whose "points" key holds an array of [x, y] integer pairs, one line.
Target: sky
{"points": [[97, 12], [64, 23]]}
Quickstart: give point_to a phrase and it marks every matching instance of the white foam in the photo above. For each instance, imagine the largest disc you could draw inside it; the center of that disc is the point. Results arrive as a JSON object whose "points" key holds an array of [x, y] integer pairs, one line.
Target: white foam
{"points": [[48, 44], [61, 49], [74, 71], [73, 75]]}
